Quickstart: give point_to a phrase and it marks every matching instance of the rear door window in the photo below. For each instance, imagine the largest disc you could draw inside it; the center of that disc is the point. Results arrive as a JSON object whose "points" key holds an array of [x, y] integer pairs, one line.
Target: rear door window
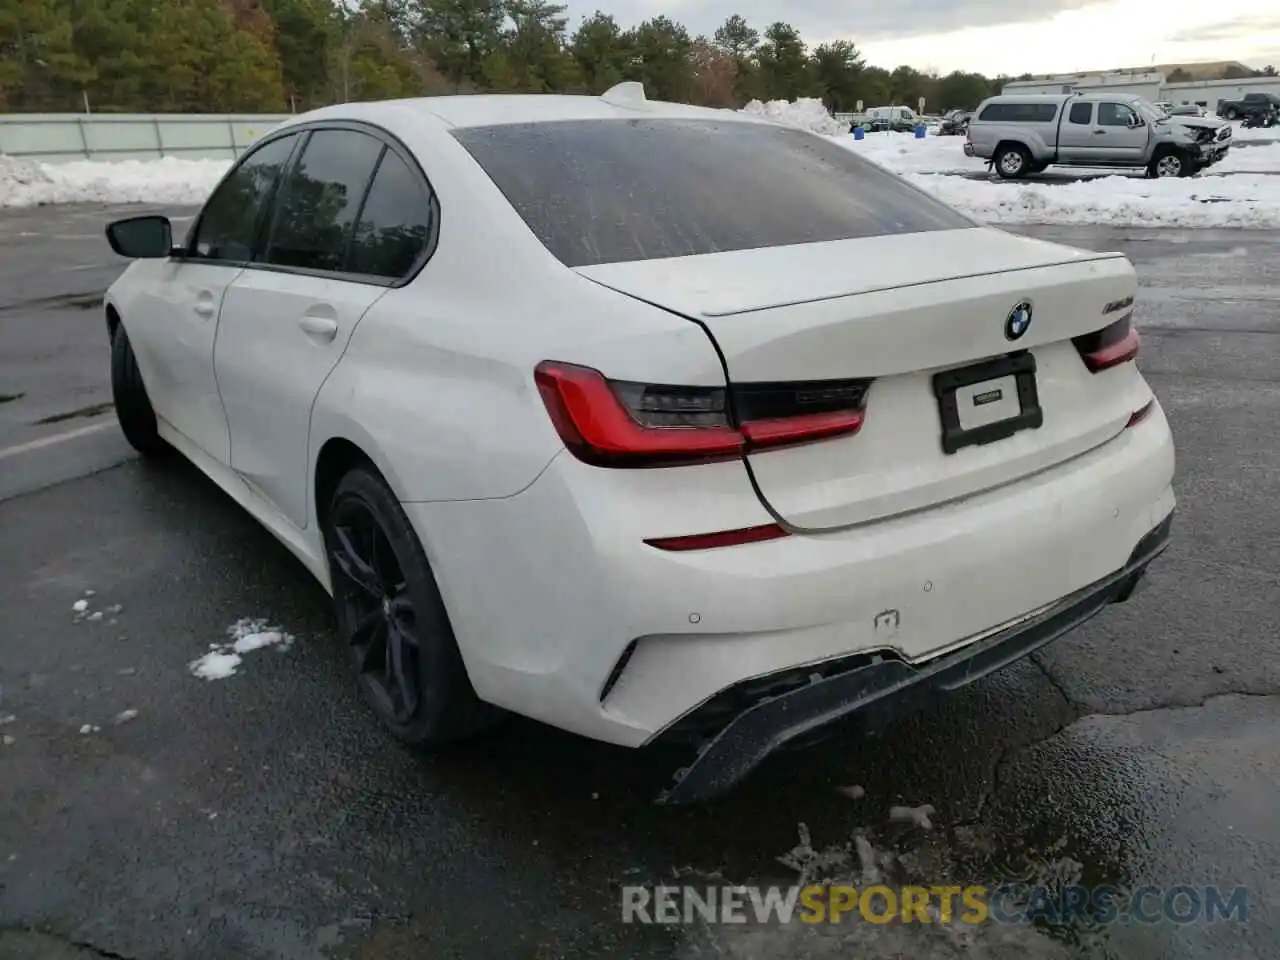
{"points": [[319, 200], [1081, 113], [609, 191]]}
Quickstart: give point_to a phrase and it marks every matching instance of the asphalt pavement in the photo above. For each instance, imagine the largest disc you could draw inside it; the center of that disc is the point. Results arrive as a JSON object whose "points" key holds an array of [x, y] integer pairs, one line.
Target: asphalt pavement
{"points": [[150, 815]]}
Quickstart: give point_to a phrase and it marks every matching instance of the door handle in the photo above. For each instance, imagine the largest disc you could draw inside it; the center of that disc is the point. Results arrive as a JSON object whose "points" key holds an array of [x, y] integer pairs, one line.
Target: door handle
{"points": [[204, 306], [319, 328], [1099, 133]]}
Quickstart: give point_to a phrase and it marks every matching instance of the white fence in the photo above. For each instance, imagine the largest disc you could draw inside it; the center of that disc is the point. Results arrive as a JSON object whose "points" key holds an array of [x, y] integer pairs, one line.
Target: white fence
{"points": [[131, 136]]}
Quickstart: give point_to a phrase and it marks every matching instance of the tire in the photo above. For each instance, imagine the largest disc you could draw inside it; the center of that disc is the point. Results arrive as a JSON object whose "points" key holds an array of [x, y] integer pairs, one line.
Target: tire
{"points": [[1170, 164], [133, 407], [1012, 161], [424, 697], [1231, 113]]}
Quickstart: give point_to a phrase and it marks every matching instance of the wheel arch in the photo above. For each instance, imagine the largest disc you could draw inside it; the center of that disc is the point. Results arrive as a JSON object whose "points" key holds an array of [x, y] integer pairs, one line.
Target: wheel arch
{"points": [[1009, 143], [336, 456]]}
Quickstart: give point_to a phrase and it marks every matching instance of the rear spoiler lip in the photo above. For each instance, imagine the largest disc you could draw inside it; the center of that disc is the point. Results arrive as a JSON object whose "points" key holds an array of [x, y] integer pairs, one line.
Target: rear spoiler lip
{"points": [[800, 301], [826, 297]]}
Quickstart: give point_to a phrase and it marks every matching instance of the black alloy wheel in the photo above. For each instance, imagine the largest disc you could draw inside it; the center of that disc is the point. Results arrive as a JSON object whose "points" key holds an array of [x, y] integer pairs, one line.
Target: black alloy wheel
{"points": [[393, 619]]}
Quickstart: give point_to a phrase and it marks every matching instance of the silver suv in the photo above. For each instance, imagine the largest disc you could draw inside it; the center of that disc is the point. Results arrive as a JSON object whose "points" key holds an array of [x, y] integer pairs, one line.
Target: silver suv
{"points": [[1021, 135]]}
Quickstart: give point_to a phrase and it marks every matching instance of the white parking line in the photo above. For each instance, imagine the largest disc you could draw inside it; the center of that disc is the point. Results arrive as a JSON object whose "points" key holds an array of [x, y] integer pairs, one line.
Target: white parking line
{"points": [[56, 438]]}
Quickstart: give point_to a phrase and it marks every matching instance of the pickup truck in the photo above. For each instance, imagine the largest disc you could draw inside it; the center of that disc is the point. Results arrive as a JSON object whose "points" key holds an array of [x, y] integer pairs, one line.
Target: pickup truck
{"points": [[1024, 134], [1264, 106]]}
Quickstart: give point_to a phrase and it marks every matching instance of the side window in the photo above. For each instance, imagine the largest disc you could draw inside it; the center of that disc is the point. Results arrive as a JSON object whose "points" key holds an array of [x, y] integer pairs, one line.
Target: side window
{"points": [[229, 221], [1115, 115], [1020, 112], [1081, 112], [319, 199], [396, 224]]}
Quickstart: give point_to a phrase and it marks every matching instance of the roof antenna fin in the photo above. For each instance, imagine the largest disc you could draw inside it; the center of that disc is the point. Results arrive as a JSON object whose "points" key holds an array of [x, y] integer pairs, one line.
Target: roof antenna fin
{"points": [[629, 95]]}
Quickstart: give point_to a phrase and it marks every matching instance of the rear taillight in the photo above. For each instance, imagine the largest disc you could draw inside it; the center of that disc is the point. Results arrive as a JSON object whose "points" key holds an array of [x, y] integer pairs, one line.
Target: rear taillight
{"points": [[1111, 346], [615, 423]]}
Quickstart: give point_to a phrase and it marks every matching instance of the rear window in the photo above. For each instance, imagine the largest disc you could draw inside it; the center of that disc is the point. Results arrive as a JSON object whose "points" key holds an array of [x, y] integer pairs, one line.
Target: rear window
{"points": [[609, 191], [1019, 112]]}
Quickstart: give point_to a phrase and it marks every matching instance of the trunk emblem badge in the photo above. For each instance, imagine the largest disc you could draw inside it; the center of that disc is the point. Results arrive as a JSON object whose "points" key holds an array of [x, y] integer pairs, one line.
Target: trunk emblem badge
{"points": [[1018, 321]]}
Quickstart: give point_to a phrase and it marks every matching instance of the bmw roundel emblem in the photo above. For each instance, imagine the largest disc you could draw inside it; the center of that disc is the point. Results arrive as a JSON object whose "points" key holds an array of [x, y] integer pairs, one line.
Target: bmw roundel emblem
{"points": [[1018, 321]]}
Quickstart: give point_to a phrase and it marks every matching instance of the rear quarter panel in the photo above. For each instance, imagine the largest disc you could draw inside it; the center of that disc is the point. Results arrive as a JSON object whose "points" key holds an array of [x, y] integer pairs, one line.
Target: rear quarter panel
{"points": [[436, 385]]}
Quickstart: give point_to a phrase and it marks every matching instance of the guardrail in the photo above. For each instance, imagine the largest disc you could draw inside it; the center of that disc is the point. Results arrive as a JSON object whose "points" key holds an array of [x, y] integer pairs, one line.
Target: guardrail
{"points": [[125, 136]]}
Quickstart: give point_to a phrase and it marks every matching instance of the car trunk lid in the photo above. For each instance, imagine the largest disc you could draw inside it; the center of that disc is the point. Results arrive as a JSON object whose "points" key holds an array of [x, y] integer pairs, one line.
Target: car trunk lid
{"points": [[895, 311]]}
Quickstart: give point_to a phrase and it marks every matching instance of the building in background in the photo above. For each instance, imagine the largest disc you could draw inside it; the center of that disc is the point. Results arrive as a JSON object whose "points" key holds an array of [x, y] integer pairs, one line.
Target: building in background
{"points": [[1153, 85]]}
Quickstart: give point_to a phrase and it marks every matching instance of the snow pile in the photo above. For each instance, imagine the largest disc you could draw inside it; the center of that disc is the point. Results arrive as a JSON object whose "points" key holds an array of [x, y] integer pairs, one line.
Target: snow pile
{"points": [[806, 113], [1249, 201], [18, 177], [167, 180], [1241, 132], [903, 153], [1264, 158], [245, 636]]}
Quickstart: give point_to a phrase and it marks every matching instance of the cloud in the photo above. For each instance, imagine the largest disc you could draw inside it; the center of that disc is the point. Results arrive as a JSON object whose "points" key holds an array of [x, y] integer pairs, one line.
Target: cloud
{"points": [[819, 20], [1248, 27]]}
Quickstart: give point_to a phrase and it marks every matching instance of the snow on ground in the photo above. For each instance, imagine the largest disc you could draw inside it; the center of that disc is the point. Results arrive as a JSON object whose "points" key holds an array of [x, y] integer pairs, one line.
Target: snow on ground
{"points": [[1249, 201], [27, 183], [1240, 200], [1244, 199], [1254, 133], [244, 636]]}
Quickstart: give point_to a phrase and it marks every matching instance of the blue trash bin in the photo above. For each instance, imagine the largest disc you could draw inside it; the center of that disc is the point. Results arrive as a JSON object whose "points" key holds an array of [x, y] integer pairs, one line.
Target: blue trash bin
{"points": [[921, 130], [859, 133]]}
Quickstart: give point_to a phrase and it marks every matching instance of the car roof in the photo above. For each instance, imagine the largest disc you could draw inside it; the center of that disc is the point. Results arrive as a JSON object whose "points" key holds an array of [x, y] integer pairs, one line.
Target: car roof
{"points": [[478, 110], [1031, 97]]}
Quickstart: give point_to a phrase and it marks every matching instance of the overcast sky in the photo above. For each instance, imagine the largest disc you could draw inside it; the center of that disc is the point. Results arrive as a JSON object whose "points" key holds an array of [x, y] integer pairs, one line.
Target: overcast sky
{"points": [[999, 36]]}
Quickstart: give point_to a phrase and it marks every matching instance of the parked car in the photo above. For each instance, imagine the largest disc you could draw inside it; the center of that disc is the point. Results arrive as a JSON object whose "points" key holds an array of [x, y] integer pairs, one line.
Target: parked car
{"points": [[954, 123], [895, 119], [1188, 110], [1263, 106], [1023, 135], [570, 428]]}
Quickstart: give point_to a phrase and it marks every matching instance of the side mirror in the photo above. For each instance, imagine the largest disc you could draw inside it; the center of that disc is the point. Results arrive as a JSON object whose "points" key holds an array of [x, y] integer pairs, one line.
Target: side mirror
{"points": [[1137, 122], [148, 237]]}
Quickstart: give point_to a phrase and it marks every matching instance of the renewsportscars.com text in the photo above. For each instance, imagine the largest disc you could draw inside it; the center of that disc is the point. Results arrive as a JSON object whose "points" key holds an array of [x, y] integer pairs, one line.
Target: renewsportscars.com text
{"points": [[1005, 903]]}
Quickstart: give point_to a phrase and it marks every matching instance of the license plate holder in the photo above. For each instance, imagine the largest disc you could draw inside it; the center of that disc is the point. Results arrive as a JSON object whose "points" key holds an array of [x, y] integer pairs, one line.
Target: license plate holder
{"points": [[947, 384]]}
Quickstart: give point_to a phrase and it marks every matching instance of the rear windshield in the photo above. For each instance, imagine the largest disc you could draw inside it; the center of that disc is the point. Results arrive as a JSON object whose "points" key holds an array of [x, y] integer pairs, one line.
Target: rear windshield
{"points": [[608, 191]]}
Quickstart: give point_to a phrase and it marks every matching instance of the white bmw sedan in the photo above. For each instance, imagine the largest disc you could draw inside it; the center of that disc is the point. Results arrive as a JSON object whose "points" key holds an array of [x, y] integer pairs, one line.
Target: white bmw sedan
{"points": [[651, 422]]}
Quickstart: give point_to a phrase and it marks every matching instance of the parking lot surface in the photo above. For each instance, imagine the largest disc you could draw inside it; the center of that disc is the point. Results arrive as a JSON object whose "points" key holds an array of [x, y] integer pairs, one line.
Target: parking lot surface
{"points": [[146, 813]]}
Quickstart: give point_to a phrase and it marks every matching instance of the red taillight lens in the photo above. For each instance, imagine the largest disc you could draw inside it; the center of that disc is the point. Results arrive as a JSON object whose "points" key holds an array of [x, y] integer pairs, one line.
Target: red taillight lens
{"points": [[598, 428], [613, 423], [725, 538], [1109, 347]]}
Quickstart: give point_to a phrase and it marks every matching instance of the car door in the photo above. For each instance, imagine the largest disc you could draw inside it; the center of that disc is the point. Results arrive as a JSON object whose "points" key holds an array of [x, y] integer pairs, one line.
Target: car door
{"points": [[288, 318], [1120, 134], [1075, 135], [173, 320]]}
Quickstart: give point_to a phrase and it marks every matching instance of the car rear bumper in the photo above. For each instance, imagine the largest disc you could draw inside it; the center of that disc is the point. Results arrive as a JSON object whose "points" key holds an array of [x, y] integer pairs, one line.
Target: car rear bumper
{"points": [[858, 684], [563, 613]]}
